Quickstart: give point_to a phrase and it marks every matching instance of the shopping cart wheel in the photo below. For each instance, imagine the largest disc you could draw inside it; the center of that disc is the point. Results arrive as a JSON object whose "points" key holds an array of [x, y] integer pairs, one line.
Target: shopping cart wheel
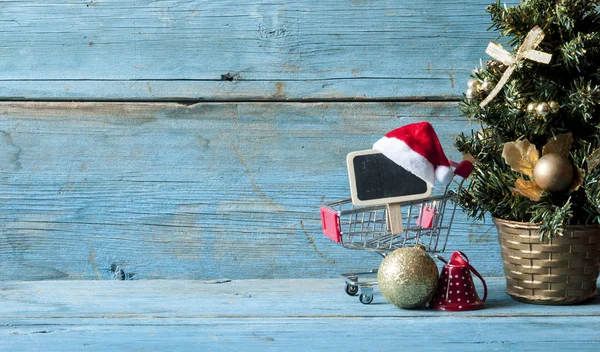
{"points": [[365, 299], [351, 290]]}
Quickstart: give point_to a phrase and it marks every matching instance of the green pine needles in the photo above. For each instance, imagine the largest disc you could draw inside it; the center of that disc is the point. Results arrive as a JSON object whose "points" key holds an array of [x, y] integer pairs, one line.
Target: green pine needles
{"points": [[538, 103]]}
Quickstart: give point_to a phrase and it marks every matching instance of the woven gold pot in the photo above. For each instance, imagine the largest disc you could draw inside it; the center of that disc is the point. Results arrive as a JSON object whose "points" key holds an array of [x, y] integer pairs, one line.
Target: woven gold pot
{"points": [[559, 270]]}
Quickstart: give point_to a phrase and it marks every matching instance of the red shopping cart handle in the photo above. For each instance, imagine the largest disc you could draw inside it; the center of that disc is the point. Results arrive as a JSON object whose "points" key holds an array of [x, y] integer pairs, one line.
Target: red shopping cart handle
{"points": [[331, 224], [464, 169]]}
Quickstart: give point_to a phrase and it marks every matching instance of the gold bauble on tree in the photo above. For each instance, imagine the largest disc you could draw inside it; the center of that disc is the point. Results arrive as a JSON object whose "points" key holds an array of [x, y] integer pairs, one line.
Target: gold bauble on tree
{"points": [[407, 277], [486, 86], [554, 107], [553, 172], [471, 93], [473, 83], [542, 109]]}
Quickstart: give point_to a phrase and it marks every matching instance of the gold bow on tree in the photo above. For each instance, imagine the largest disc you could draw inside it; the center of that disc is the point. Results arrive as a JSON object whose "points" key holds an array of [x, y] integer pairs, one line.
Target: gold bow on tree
{"points": [[526, 51]]}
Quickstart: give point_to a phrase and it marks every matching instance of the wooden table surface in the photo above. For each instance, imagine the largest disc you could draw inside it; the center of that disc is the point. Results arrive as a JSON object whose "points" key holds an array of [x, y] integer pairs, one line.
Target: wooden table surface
{"points": [[294, 314]]}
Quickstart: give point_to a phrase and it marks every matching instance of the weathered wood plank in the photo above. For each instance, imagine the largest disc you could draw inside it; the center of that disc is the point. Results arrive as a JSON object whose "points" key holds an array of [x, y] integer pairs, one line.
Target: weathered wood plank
{"points": [[271, 315], [100, 300], [201, 49], [193, 192], [302, 334]]}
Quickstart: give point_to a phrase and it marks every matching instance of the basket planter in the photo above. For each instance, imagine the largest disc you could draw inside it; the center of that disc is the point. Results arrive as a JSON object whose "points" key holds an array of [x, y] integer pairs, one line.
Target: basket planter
{"points": [[559, 270]]}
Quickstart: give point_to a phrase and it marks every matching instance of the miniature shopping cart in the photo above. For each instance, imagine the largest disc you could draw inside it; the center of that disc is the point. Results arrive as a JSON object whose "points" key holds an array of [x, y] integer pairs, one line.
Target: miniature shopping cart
{"points": [[426, 222]]}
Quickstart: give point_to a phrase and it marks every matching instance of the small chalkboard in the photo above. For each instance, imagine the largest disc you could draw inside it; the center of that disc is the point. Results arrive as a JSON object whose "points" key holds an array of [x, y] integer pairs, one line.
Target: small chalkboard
{"points": [[375, 180]]}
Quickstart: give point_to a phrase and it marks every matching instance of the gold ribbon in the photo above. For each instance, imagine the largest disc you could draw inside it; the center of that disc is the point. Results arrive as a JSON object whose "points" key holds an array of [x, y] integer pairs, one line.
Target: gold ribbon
{"points": [[526, 51]]}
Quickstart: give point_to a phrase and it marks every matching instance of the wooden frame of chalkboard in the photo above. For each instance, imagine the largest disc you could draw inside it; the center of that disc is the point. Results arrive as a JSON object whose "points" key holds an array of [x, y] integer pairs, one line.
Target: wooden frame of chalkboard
{"points": [[377, 180]]}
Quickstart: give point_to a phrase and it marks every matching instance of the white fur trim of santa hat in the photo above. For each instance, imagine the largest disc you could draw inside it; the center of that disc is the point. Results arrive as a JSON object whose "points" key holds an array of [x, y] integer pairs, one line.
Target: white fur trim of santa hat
{"points": [[416, 148]]}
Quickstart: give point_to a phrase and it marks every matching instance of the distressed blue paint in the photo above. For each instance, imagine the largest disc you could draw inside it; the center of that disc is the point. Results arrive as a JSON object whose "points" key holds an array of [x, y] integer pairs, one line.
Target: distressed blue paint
{"points": [[251, 315], [212, 190], [176, 49], [188, 299], [193, 192], [302, 334]]}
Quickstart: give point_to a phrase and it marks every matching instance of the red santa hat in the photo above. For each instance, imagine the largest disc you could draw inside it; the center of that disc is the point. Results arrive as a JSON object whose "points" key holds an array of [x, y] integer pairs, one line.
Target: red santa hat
{"points": [[416, 148]]}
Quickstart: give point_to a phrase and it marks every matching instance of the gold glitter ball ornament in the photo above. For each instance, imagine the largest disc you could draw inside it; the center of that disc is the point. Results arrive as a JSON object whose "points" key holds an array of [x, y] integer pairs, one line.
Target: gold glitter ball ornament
{"points": [[407, 277], [553, 172]]}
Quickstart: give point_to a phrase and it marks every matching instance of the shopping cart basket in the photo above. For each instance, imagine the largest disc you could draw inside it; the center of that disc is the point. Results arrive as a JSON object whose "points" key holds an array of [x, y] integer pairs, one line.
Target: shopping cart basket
{"points": [[426, 222]]}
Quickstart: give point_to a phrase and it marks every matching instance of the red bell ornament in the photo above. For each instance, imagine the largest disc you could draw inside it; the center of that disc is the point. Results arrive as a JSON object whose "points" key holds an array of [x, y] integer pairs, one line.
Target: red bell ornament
{"points": [[456, 290]]}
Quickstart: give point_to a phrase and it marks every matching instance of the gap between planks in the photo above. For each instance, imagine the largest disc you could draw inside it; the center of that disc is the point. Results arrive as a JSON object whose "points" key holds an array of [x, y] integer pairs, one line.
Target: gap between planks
{"points": [[192, 101]]}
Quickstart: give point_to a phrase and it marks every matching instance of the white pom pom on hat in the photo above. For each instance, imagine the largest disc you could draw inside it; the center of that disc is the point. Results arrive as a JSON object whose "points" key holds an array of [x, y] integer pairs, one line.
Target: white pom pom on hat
{"points": [[417, 148]]}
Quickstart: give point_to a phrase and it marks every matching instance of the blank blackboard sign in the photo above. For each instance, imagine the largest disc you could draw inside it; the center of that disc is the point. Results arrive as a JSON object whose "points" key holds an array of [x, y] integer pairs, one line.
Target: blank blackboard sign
{"points": [[375, 179]]}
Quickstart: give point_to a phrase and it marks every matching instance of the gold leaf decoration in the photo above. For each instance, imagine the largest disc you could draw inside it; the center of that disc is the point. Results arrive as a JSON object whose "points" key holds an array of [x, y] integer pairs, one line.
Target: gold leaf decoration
{"points": [[593, 159], [560, 144], [521, 156], [469, 157], [528, 189], [577, 180]]}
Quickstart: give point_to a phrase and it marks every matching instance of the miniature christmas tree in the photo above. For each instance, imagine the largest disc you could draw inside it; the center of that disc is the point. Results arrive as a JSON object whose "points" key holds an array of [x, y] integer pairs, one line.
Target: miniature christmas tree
{"points": [[537, 101]]}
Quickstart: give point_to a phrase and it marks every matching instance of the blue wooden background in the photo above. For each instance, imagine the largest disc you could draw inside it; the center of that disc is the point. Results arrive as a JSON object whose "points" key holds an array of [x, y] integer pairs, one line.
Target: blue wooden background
{"points": [[197, 139]]}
